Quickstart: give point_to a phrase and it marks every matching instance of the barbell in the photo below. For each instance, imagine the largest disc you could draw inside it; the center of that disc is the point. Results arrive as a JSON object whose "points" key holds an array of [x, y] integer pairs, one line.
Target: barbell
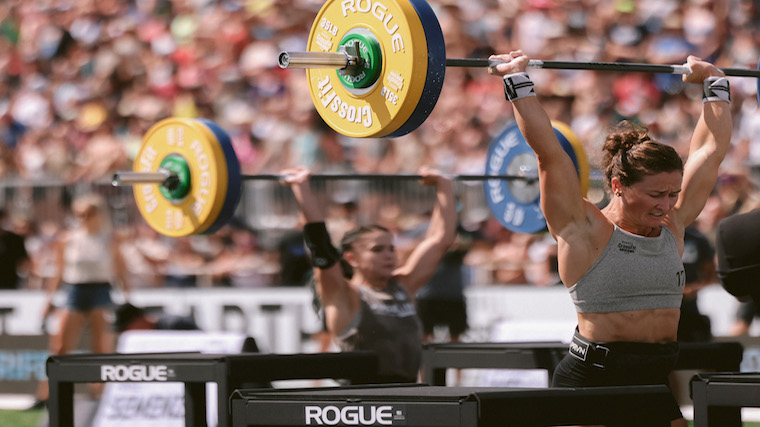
{"points": [[187, 178], [375, 68]]}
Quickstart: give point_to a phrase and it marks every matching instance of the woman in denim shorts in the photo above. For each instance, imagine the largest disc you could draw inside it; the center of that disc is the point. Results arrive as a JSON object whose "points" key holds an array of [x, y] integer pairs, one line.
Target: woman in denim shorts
{"points": [[88, 261]]}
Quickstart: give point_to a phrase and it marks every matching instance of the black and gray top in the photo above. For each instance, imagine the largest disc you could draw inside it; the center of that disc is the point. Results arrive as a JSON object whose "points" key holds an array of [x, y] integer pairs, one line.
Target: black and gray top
{"points": [[387, 322]]}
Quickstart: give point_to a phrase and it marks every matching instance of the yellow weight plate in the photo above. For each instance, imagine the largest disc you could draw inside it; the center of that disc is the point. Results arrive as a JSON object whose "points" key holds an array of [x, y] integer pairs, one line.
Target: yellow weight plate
{"points": [[384, 107], [222, 176], [208, 177], [584, 171]]}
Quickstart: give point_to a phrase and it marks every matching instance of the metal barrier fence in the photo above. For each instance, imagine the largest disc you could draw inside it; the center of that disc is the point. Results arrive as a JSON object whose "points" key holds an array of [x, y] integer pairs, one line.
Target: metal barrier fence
{"points": [[265, 205], [267, 208]]}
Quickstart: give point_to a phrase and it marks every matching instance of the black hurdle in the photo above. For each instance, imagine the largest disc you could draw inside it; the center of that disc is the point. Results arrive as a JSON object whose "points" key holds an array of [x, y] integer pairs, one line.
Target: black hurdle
{"points": [[719, 397], [194, 369], [421, 405], [436, 358]]}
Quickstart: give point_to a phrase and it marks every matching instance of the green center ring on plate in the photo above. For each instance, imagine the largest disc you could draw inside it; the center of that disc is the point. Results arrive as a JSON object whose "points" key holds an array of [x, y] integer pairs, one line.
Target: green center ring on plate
{"points": [[177, 164], [372, 54]]}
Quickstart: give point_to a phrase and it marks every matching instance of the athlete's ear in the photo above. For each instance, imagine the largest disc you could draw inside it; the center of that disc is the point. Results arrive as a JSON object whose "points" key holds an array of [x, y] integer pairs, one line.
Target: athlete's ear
{"points": [[350, 257], [616, 186]]}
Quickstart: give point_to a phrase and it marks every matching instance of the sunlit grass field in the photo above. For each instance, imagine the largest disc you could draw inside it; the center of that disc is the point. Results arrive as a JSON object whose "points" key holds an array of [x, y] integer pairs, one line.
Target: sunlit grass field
{"points": [[15, 418]]}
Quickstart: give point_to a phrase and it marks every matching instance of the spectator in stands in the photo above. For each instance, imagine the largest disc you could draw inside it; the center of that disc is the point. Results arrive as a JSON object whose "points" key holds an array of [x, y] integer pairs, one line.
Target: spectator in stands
{"points": [[367, 298], [41, 245], [128, 317], [295, 268], [744, 317], [14, 258], [184, 266], [242, 263], [699, 265], [147, 252], [510, 257], [738, 248], [89, 262]]}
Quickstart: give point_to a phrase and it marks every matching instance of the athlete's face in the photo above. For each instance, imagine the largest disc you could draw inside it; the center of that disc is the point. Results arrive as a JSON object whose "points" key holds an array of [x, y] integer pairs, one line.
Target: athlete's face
{"points": [[649, 200], [374, 255]]}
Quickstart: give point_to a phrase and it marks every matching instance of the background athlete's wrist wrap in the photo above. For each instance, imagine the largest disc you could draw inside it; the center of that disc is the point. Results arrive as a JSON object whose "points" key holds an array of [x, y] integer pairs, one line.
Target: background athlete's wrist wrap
{"points": [[716, 88], [323, 253], [518, 85]]}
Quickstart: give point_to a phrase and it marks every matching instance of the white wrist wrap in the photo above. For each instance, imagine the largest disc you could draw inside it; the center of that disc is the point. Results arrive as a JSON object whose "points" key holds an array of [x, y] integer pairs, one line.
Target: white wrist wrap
{"points": [[716, 89], [518, 86]]}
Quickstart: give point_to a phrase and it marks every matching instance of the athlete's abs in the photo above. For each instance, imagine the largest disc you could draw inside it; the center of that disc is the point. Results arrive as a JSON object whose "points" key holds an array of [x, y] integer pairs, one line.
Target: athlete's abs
{"points": [[651, 326]]}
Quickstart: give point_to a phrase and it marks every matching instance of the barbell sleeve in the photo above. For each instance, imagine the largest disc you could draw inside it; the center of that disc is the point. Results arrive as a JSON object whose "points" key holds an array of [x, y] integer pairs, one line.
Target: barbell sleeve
{"points": [[329, 60], [161, 176]]}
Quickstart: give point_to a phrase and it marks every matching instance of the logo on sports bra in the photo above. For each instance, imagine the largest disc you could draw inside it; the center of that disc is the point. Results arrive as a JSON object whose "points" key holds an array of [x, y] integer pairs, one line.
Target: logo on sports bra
{"points": [[681, 276], [627, 247]]}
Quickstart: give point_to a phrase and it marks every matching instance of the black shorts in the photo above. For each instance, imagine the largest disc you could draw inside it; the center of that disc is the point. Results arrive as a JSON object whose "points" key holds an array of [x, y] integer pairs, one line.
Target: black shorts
{"points": [[588, 364], [450, 313]]}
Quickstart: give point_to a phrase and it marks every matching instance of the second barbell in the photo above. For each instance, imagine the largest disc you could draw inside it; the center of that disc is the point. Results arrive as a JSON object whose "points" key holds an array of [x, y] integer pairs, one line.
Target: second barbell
{"points": [[187, 177]]}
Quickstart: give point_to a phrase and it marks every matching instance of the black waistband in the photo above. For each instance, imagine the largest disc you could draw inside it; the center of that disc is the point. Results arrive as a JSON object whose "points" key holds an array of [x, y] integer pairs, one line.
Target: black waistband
{"points": [[598, 354]]}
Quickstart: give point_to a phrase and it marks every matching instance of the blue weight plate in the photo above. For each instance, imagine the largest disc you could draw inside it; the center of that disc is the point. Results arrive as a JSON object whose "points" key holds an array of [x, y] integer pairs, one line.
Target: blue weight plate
{"points": [[234, 179], [436, 69], [514, 203], [568, 147]]}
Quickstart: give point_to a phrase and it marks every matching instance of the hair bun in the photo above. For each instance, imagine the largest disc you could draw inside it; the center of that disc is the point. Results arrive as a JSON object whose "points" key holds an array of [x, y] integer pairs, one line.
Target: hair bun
{"points": [[625, 136]]}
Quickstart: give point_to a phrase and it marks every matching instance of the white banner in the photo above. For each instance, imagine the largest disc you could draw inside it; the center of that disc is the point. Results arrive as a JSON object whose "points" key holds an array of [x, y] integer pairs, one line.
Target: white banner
{"points": [[152, 404], [279, 318]]}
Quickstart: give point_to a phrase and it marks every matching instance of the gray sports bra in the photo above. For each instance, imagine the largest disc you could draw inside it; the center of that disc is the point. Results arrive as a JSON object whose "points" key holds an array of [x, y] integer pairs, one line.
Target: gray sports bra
{"points": [[633, 273]]}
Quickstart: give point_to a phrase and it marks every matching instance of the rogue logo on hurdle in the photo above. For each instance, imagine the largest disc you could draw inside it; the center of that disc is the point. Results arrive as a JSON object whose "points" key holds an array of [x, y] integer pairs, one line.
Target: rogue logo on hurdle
{"points": [[134, 373], [355, 415]]}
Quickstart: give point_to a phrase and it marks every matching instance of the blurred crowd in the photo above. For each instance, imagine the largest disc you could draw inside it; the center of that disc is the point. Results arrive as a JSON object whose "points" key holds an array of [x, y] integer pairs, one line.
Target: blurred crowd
{"points": [[82, 80]]}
